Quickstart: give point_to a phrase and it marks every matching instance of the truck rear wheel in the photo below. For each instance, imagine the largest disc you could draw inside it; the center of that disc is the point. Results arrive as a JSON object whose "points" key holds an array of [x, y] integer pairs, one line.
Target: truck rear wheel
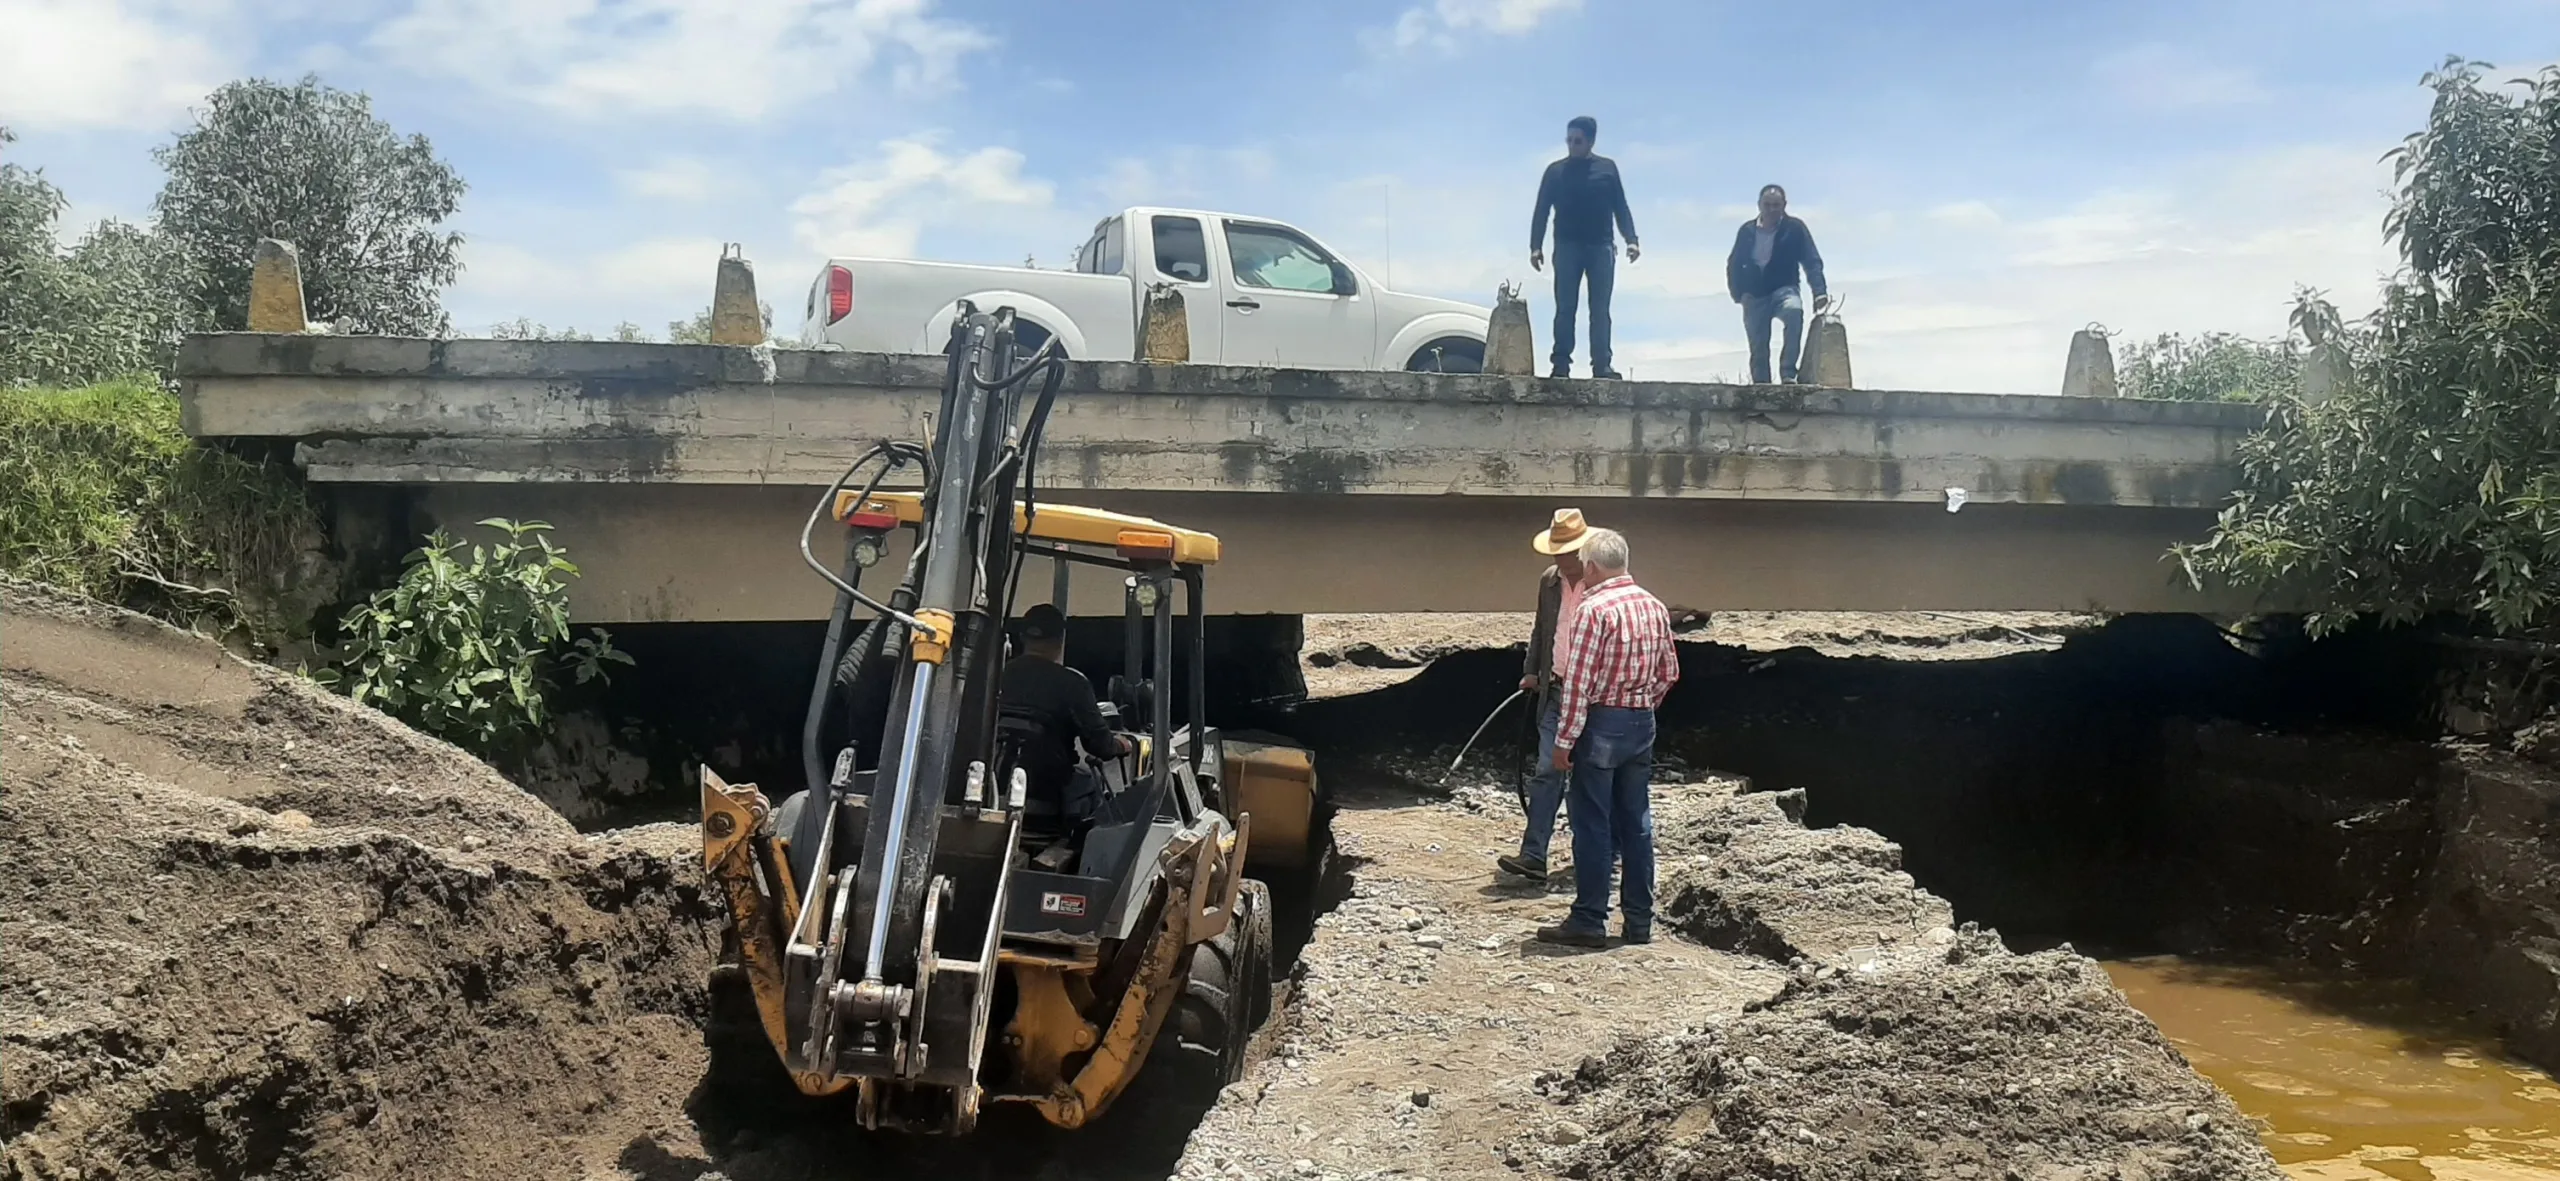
{"points": [[1455, 354], [1229, 993]]}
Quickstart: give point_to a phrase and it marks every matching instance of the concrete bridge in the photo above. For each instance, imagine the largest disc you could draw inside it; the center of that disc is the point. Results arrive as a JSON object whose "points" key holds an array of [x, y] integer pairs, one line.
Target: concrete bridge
{"points": [[679, 475]]}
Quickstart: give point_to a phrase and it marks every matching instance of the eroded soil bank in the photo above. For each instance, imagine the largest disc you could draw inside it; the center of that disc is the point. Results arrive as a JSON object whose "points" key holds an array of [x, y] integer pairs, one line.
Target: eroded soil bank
{"points": [[254, 930]]}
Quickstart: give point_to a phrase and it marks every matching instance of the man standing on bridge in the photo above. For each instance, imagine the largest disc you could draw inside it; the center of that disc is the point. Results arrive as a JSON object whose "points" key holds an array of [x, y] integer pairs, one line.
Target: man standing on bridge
{"points": [[1583, 191], [1550, 653], [1761, 274], [1624, 663]]}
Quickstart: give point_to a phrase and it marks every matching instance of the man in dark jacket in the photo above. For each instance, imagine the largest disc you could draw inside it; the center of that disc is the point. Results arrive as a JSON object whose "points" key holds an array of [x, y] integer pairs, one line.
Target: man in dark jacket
{"points": [[1768, 252], [1584, 192], [1038, 686]]}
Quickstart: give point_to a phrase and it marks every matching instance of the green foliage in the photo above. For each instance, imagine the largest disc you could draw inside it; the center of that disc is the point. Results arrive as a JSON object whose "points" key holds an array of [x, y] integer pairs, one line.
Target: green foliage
{"points": [[2428, 479], [102, 311], [470, 649], [2213, 367], [698, 329], [523, 328], [312, 165], [100, 492]]}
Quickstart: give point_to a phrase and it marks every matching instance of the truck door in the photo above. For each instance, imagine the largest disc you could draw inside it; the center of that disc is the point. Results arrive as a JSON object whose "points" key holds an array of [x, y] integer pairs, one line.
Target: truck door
{"points": [[1180, 248], [1290, 302]]}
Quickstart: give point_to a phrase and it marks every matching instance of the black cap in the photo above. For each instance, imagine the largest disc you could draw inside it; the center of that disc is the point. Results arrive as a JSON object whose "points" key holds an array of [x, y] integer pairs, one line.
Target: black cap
{"points": [[1044, 622]]}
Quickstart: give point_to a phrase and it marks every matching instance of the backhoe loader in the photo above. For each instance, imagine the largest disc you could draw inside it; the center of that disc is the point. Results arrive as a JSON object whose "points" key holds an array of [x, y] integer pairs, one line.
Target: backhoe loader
{"points": [[919, 937]]}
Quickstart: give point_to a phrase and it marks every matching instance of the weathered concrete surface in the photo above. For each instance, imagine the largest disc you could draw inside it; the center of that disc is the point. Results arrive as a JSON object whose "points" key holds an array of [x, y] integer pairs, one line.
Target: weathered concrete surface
{"points": [[681, 474], [689, 552], [466, 411]]}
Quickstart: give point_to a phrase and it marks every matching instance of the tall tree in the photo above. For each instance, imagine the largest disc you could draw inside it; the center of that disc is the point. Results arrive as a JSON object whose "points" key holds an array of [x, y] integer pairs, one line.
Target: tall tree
{"points": [[313, 165], [104, 309], [2429, 479]]}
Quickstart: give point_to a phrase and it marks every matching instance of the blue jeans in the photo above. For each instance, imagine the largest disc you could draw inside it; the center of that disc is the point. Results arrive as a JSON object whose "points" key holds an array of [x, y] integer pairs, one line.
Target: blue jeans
{"points": [[1546, 788], [1613, 818], [1786, 306], [1574, 263]]}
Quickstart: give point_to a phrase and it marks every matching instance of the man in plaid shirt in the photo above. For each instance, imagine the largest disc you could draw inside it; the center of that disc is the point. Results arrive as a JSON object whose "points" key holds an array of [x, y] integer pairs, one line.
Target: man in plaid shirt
{"points": [[1624, 662]]}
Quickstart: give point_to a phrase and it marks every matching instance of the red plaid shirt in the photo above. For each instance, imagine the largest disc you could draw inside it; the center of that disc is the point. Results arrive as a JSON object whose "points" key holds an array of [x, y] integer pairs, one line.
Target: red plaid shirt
{"points": [[1622, 655]]}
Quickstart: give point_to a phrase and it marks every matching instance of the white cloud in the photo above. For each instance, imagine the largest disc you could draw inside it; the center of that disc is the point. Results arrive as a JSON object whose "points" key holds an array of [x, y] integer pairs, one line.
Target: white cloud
{"points": [[1440, 24], [2158, 77], [559, 288], [707, 57], [672, 178], [1184, 175], [117, 64], [883, 205]]}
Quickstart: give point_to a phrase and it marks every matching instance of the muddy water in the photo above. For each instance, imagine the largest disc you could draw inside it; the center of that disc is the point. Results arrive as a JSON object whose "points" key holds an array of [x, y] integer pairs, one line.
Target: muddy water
{"points": [[2354, 1080]]}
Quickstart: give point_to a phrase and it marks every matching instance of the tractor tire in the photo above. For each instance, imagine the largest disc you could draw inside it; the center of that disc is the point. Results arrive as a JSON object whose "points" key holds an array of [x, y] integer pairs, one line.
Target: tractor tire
{"points": [[1228, 994]]}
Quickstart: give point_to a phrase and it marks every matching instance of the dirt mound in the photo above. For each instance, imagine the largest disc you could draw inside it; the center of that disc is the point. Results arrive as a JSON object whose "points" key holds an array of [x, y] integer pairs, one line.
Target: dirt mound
{"points": [[1972, 1062], [257, 930], [1747, 876]]}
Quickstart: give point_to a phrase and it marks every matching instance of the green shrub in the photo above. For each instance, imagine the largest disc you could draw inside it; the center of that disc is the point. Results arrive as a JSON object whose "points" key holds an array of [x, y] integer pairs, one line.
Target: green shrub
{"points": [[2212, 367], [102, 493], [470, 649]]}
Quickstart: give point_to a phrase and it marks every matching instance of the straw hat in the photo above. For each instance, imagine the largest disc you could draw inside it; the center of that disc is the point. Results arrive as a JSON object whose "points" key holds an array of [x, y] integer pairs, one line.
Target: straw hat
{"points": [[1564, 536]]}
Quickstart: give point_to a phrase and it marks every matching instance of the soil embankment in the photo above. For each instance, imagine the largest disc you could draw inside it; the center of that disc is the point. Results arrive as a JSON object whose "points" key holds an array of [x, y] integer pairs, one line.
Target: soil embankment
{"points": [[255, 930]]}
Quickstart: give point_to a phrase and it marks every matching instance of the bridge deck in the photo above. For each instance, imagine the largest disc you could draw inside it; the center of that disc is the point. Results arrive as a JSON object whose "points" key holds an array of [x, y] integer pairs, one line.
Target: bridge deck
{"points": [[1829, 498]]}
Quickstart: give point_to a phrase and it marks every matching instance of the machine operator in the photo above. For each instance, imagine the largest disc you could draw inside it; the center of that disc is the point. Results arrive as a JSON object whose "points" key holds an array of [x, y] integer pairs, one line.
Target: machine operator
{"points": [[1039, 687]]}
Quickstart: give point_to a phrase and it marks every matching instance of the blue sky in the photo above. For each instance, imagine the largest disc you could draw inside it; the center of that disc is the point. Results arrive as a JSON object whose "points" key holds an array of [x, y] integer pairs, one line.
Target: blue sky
{"points": [[1984, 178]]}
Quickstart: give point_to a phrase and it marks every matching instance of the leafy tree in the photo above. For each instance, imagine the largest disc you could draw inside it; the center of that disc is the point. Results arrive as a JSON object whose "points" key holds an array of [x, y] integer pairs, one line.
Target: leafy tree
{"points": [[2429, 479], [2213, 367], [470, 647], [104, 310], [313, 166]]}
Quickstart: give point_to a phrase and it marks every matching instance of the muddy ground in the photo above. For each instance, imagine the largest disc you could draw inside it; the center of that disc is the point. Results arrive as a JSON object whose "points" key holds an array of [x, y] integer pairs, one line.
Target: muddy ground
{"points": [[1815, 1017], [254, 930]]}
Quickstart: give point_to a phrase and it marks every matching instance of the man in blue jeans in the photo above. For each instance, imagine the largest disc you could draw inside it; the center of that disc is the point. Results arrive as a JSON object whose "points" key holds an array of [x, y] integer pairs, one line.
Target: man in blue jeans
{"points": [[1624, 663], [1587, 198], [1772, 253], [1550, 653]]}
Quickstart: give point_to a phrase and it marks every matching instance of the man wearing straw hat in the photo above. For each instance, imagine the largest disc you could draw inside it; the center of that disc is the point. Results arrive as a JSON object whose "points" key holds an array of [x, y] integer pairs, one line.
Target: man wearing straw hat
{"points": [[1550, 651]]}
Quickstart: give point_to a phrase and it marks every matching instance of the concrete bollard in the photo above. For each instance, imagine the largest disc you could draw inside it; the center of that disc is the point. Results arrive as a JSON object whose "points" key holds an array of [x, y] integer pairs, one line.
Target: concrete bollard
{"points": [[1510, 346], [2090, 372], [736, 317], [1164, 331], [1826, 352], [275, 288]]}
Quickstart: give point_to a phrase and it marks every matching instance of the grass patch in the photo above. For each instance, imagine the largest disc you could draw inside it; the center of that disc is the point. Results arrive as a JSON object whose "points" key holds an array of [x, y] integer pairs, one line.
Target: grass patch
{"points": [[102, 493]]}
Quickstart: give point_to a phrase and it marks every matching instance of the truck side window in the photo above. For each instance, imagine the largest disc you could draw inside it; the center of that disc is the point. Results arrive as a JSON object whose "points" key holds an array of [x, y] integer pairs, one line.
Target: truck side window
{"points": [[1181, 250], [1274, 258], [1114, 248]]}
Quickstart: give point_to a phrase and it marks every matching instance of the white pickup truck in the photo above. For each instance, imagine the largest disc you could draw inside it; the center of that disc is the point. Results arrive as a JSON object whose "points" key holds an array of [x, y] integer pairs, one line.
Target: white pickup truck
{"points": [[1256, 292]]}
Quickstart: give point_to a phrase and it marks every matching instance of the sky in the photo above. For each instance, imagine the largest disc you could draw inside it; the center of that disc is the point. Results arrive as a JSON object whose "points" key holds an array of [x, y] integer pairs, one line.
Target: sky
{"points": [[1984, 178]]}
